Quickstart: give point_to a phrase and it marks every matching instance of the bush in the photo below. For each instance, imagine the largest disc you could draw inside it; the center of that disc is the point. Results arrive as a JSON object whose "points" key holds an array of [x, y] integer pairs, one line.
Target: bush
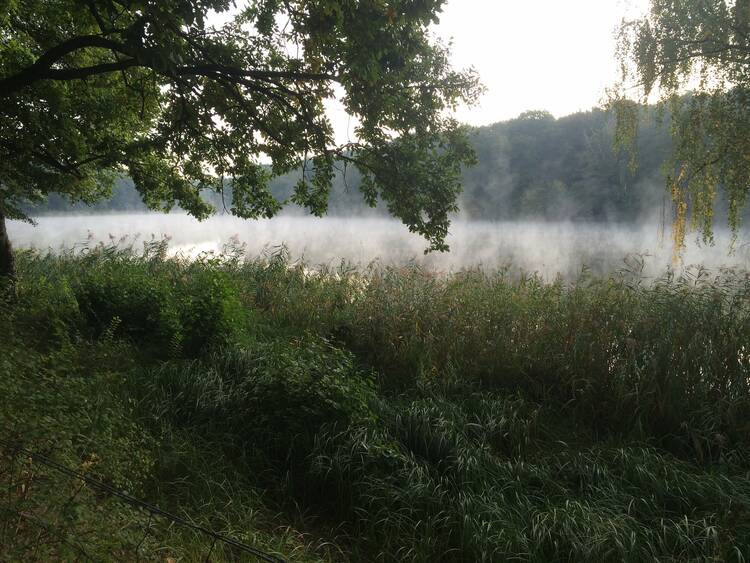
{"points": [[211, 312], [169, 307], [126, 295]]}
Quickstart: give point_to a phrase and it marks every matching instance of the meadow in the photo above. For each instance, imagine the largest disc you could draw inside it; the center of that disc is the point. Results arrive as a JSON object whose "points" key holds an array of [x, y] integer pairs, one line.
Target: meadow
{"points": [[387, 413]]}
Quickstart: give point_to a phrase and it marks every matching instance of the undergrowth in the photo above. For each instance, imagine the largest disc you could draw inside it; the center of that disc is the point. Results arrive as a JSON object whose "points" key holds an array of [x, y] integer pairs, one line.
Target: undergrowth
{"points": [[376, 414]]}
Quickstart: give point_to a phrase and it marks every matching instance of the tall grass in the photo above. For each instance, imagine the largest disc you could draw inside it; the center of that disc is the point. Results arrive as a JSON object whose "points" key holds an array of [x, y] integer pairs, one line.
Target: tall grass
{"points": [[396, 414], [664, 360]]}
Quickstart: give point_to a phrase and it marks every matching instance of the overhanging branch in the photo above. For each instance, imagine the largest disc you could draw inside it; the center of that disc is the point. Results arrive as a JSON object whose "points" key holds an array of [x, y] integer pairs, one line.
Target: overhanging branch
{"points": [[43, 65]]}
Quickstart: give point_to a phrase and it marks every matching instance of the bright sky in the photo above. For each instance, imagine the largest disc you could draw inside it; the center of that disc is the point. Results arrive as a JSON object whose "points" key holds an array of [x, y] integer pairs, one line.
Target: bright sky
{"points": [[554, 55]]}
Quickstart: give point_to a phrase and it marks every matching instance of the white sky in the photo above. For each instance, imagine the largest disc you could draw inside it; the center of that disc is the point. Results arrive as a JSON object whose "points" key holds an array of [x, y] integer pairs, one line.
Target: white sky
{"points": [[554, 55]]}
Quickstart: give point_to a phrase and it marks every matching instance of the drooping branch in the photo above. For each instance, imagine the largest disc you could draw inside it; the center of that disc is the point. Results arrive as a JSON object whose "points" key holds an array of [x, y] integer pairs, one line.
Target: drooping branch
{"points": [[155, 89]]}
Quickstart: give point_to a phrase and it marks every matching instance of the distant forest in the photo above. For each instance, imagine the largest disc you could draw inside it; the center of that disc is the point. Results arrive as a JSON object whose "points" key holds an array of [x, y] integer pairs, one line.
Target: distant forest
{"points": [[531, 167]]}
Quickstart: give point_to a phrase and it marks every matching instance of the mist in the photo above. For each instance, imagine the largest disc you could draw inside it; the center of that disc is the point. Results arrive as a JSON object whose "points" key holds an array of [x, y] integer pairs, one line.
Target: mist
{"points": [[547, 195], [548, 248]]}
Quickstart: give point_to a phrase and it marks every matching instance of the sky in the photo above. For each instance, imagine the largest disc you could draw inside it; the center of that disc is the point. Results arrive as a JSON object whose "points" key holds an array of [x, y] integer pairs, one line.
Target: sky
{"points": [[554, 55]]}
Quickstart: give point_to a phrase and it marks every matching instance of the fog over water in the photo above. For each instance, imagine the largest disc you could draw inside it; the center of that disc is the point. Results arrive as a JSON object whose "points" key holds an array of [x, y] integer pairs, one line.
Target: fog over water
{"points": [[545, 247]]}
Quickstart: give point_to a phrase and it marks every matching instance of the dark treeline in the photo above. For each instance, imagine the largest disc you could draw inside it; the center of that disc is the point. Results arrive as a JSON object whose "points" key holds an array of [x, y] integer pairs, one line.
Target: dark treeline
{"points": [[534, 166]]}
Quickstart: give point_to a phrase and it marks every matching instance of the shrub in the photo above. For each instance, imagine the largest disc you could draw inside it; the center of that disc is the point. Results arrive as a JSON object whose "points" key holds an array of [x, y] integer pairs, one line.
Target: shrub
{"points": [[170, 307], [211, 312], [128, 295]]}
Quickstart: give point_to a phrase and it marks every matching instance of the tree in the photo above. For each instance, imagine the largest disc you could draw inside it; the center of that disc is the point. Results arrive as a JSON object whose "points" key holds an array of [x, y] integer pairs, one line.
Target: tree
{"points": [[703, 45], [93, 89]]}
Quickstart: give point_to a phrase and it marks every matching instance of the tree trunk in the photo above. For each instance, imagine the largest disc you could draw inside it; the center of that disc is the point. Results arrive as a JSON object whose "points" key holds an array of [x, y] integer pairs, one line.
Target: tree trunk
{"points": [[7, 260]]}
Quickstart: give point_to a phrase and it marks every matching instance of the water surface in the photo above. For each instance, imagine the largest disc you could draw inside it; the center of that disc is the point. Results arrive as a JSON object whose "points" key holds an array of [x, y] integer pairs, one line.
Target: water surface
{"points": [[545, 247]]}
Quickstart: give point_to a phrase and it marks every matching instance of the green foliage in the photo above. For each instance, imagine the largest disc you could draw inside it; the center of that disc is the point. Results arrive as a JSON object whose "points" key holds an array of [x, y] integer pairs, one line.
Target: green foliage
{"points": [[508, 418], [153, 91], [62, 393], [120, 296], [428, 488], [275, 396], [212, 314], [65, 390], [527, 168], [622, 355], [169, 308], [702, 45]]}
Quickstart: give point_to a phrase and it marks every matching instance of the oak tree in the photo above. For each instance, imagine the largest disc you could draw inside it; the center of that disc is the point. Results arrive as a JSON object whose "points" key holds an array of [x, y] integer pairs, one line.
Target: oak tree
{"points": [[96, 89]]}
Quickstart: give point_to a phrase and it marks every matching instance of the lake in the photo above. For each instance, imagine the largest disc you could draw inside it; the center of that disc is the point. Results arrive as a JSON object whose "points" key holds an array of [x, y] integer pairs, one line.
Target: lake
{"points": [[544, 247]]}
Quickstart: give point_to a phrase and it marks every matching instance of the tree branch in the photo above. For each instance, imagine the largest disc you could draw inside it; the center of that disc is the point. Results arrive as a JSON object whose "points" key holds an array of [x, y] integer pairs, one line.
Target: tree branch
{"points": [[43, 65], [211, 69], [85, 72], [42, 68]]}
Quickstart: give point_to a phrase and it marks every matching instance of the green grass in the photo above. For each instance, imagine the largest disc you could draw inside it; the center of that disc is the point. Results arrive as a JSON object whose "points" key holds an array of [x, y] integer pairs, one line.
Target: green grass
{"points": [[379, 414]]}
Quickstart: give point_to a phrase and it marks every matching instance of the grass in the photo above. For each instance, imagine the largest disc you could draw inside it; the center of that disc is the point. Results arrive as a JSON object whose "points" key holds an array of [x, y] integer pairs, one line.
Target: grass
{"points": [[378, 414]]}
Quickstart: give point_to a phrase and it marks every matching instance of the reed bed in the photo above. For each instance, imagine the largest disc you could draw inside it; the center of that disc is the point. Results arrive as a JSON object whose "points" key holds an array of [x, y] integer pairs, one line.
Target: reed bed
{"points": [[389, 413]]}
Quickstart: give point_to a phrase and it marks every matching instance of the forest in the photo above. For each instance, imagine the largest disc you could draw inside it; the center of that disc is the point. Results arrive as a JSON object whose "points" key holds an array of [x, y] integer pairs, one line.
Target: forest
{"points": [[531, 167], [534, 166]]}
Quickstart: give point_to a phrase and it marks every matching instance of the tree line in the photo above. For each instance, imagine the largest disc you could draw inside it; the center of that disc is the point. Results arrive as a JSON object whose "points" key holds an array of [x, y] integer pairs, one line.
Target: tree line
{"points": [[532, 167]]}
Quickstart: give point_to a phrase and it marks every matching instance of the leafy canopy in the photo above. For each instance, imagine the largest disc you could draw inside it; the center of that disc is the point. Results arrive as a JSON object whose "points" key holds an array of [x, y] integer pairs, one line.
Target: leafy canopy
{"points": [[704, 46], [94, 89]]}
